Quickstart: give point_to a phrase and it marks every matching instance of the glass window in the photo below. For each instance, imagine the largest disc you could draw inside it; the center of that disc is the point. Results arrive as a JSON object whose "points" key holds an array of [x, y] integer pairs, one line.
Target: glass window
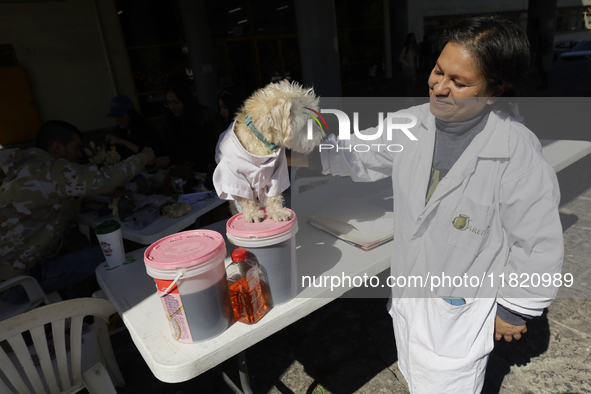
{"points": [[269, 61], [154, 67], [365, 13], [150, 22], [571, 18], [235, 65], [273, 17], [229, 18], [292, 64], [360, 29]]}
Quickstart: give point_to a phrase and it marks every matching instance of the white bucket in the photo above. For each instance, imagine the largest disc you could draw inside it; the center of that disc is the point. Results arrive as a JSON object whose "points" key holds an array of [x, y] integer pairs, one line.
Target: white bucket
{"points": [[273, 244], [190, 276]]}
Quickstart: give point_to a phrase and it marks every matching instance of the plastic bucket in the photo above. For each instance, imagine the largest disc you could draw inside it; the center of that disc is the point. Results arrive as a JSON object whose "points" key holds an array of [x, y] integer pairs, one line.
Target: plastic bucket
{"points": [[273, 245], [190, 276]]}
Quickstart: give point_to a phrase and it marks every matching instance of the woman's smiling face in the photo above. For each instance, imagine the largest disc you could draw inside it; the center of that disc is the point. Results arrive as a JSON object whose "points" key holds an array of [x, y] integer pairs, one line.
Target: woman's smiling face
{"points": [[457, 88]]}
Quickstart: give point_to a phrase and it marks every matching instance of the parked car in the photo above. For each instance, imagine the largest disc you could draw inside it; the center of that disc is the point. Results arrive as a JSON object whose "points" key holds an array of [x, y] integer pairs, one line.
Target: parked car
{"points": [[563, 46], [581, 51]]}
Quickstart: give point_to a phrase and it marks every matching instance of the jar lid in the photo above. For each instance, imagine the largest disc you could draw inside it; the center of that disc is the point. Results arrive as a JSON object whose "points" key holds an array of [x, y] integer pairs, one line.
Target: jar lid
{"points": [[267, 232], [187, 249], [106, 227], [238, 227]]}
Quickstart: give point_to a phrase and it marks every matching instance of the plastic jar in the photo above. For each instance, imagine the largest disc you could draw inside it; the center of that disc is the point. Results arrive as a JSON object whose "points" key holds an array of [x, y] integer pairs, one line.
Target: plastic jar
{"points": [[190, 276], [273, 245]]}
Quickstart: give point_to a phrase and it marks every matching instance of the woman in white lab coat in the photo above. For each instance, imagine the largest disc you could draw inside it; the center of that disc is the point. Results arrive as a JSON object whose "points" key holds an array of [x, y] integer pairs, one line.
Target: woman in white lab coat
{"points": [[475, 202]]}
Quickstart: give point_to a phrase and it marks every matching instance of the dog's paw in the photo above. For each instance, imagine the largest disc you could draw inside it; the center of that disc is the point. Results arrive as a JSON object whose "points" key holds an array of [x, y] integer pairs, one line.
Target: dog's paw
{"points": [[280, 215], [254, 216]]}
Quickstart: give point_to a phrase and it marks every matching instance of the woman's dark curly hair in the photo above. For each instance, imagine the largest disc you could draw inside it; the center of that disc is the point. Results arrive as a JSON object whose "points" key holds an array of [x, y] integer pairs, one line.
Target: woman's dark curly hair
{"points": [[500, 48]]}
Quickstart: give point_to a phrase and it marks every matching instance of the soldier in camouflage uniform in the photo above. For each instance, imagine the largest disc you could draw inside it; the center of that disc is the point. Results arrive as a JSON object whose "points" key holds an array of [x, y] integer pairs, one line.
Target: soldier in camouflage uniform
{"points": [[36, 204]]}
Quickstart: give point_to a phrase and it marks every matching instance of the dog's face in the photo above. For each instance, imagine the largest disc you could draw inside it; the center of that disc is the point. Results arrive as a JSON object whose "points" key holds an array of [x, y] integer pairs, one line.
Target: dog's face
{"points": [[301, 113], [279, 111]]}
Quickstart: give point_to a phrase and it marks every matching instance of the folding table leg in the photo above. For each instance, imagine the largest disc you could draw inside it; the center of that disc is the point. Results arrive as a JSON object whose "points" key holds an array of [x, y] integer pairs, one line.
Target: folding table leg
{"points": [[244, 377], [243, 372], [84, 229]]}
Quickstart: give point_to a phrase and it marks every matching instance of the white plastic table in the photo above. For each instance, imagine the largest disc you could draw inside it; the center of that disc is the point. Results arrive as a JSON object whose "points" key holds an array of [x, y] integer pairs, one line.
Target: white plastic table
{"points": [[562, 153], [133, 292], [160, 228]]}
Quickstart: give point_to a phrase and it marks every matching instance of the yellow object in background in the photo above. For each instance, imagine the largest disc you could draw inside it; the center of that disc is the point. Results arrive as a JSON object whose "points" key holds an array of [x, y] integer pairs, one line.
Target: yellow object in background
{"points": [[19, 120]]}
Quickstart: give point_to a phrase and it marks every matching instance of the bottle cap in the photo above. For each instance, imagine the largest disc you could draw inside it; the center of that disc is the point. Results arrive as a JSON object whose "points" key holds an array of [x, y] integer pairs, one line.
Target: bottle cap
{"points": [[239, 254], [107, 227]]}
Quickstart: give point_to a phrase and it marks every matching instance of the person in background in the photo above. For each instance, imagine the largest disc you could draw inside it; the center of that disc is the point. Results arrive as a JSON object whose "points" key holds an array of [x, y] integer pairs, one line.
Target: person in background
{"points": [[36, 203], [409, 58], [426, 51], [132, 131], [540, 46], [190, 131], [229, 100], [375, 69]]}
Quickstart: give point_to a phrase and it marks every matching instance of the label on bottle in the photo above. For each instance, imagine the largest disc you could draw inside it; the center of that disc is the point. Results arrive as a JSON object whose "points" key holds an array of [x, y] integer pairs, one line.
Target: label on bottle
{"points": [[247, 299], [175, 312], [252, 275]]}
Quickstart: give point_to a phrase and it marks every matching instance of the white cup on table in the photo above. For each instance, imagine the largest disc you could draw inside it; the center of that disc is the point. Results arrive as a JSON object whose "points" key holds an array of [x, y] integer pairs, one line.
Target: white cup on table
{"points": [[111, 241]]}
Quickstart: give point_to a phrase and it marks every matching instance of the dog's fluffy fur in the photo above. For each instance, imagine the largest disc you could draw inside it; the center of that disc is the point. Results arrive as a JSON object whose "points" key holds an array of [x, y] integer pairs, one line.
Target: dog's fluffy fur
{"points": [[278, 113]]}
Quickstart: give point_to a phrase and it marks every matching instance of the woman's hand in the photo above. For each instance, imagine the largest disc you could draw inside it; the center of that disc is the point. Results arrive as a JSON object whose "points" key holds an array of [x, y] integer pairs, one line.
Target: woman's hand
{"points": [[507, 330], [162, 162], [148, 152], [111, 139]]}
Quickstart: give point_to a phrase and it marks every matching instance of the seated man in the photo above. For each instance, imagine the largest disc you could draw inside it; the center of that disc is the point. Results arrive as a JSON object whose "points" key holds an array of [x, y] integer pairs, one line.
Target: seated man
{"points": [[36, 202]]}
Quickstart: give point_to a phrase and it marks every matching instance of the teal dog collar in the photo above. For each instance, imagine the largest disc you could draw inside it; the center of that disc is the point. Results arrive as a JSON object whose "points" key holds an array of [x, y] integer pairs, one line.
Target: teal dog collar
{"points": [[248, 121]]}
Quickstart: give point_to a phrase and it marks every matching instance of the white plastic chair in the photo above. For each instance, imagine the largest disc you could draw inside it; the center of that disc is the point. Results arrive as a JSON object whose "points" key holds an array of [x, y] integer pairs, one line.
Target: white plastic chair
{"points": [[34, 292], [89, 362]]}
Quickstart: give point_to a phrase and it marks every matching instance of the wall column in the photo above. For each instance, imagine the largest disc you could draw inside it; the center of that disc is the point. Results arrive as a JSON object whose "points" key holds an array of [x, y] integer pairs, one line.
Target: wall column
{"points": [[544, 13], [398, 13], [319, 49], [195, 24]]}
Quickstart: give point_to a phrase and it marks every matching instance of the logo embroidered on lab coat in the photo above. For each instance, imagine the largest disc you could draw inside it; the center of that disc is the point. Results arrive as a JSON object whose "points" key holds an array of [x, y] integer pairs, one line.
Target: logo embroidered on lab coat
{"points": [[462, 222]]}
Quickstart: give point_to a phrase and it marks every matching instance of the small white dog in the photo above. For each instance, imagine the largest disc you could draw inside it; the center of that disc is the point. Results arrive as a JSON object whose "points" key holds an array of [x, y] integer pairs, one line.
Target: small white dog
{"points": [[252, 166]]}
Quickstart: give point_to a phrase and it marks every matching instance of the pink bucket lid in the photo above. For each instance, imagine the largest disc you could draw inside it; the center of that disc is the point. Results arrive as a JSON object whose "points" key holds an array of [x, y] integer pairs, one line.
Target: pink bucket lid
{"points": [[185, 250], [237, 227]]}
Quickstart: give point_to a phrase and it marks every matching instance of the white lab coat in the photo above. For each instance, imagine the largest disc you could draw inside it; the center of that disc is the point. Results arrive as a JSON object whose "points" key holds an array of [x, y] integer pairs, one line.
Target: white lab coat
{"points": [[510, 193], [239, 173]]}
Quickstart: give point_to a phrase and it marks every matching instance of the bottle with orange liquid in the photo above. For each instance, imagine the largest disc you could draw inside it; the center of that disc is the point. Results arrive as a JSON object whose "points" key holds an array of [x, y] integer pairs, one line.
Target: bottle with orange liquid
{"points": [[245, 278]]}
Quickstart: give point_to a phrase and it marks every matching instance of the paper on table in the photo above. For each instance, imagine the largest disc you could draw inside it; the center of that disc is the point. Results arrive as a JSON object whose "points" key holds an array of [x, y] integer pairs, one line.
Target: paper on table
{"points": [[356, 221], [194, 198], [383, 199]]}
